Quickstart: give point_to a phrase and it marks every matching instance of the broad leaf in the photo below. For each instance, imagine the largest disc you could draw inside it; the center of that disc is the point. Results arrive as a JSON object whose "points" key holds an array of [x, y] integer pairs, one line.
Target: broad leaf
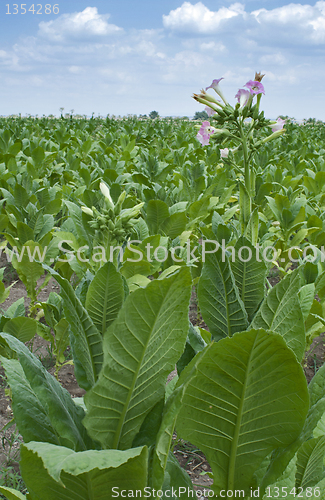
{"points": [[177, 479], [24, 329], [43, 409], [174, 225], [29, 271], [316, 386], [218, 296], [248, 397], [157, 212], [313, 426], [105, 296], [86, 341], [249, 276], [76, 215], [141, 348], [11, 494], [66, 475], [310, 458], [286, 481], [281, 313]]}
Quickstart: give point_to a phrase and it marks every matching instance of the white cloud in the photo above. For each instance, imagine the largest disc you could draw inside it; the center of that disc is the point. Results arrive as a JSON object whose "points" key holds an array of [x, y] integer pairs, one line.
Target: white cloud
{"points": [[75, 69], [209, 47], [288, 14], [295, 22], [81, 25], [199, 19], [97, 66], [275, 58]]}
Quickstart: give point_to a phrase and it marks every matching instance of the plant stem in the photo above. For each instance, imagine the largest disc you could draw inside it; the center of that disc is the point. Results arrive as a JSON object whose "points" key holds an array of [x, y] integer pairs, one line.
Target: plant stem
{"points": [[246, 164]]}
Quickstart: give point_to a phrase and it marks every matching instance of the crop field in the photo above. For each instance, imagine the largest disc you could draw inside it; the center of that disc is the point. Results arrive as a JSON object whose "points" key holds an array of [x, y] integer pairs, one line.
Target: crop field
{"points": [[163, 306]]}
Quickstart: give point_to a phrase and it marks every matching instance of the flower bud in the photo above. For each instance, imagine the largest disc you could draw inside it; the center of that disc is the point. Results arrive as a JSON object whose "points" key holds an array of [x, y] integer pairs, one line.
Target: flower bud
{"points": [[202, 100], [128, 213], [87, 211], [119, 202], [105, 191], [274, 135]]}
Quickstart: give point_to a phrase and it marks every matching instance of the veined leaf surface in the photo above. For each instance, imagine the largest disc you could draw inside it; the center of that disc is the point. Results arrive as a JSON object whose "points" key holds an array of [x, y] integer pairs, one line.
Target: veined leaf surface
{"points": [[140, 348], [88, 475], [249, 276], [86, 341], [44, 411], [248, 397], [281, 313], [220, 304], [105, 296]]}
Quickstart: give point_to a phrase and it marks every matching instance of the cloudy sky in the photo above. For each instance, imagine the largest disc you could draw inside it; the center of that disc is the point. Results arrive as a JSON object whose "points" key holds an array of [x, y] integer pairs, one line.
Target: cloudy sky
{"points": [[134, 56]]}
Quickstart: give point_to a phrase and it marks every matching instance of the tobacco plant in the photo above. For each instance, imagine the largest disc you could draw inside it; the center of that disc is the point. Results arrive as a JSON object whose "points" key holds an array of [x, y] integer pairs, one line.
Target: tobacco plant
{"points": [[242, 398]]}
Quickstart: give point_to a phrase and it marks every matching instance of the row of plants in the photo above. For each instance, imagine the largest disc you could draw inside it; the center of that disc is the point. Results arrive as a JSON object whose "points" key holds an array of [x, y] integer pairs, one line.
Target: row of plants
{"points": [[125, 216]]}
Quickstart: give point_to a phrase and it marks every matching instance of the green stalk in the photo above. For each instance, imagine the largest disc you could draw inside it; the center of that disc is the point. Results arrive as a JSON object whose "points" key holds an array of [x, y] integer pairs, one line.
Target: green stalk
{"points": [[247, 179], [246, 166]]}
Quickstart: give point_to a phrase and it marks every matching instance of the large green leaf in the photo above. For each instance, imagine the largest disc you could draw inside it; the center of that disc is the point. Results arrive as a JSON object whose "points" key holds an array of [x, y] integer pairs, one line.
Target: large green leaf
{"points": [[160, 473], [24, 232], [314, 426], [248, 397], [141, 348], [86, 341], [316, 386], [218, 296], [164, 438], [174, 225], [12, 494], [24, 329], [310, 458], [157, 212], [29, 271], [43, 410], [105, 296], [177, 479], [249, 276], [286, 481], [75, 213], [57, 473], [281, 313]]}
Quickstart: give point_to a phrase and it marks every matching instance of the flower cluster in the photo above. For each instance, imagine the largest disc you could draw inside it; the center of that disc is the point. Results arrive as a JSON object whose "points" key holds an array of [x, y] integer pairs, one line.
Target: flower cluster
{"points": [[113, 223], [228, 117]]}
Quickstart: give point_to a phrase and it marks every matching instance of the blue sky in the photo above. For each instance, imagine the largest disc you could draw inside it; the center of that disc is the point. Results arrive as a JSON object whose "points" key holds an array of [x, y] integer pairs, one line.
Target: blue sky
{"points": [[135, 56]]}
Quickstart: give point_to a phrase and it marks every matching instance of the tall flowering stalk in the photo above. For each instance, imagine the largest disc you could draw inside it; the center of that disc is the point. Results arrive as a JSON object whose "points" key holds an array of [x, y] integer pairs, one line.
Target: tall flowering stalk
{"points": [[233, 127]]}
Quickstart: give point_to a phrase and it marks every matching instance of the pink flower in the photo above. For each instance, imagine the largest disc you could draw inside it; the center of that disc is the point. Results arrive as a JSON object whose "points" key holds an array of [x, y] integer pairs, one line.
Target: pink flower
{"points": [[255, 87], [204, 133], [215, 86], [242, 96], [209, 111], [224, 153], [278, 125]]}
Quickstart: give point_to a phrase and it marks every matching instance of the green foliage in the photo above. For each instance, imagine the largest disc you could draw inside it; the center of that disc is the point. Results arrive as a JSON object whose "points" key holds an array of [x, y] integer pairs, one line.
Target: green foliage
{"points": [[153, 114], [200, 115], [242, 398]]}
